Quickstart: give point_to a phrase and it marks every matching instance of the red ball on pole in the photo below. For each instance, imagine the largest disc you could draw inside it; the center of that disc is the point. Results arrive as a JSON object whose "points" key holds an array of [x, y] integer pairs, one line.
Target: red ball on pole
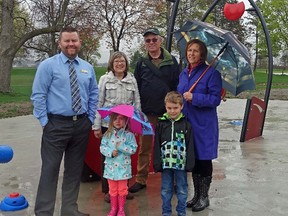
{"points": [[234, 11]]}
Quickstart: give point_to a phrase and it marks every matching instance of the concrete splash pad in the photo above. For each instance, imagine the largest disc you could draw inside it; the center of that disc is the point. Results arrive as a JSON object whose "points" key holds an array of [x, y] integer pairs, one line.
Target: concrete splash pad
{"points": [[249, 178]]}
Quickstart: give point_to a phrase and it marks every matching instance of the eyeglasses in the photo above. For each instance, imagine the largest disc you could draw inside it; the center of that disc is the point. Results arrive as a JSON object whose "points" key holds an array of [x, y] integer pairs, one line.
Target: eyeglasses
{"points": [[119, 61], [154, 40]]}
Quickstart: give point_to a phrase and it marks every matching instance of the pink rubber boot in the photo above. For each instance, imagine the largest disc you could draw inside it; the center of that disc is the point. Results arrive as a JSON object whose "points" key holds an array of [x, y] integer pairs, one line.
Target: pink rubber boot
{"points": [[121, 205], [113, 206]]}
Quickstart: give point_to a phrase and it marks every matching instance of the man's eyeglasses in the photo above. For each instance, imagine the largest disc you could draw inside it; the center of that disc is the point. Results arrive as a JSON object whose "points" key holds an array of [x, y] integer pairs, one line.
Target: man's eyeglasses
{"points": [[154, 40]]}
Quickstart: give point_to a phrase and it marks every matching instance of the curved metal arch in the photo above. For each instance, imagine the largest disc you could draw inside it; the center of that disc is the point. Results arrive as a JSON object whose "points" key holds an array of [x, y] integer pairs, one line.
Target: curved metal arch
{"points": [[171, 24], [267, 37]]}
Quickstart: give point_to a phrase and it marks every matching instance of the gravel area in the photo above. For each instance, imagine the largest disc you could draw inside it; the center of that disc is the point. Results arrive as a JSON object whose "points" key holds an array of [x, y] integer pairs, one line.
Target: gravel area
{"points": [[275, 94]]}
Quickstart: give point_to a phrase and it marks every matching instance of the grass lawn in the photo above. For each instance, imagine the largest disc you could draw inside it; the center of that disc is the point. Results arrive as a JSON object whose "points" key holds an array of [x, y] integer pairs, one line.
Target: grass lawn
{"points": [[18, 102], [22, 79], [21, 84], [278, 80]]}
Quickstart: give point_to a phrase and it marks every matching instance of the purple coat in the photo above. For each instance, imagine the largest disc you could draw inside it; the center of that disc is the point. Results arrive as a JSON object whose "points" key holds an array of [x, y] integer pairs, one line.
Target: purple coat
{"points": [[202, 112]]}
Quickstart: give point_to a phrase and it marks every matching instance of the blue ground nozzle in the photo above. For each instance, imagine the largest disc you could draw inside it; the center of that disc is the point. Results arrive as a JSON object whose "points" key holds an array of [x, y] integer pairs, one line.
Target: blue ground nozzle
{"points": [[13, 202], [6, 153]]}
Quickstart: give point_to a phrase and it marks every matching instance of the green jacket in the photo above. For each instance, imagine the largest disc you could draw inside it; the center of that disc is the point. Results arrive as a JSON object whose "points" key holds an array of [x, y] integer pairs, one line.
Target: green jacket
{"points": [[173, 144], [153, 88]]}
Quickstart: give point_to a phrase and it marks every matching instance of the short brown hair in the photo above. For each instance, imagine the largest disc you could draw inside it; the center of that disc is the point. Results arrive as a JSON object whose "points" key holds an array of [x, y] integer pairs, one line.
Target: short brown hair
{"points": [[114, 55], [68, 29], [203, 49], [174, 97]]}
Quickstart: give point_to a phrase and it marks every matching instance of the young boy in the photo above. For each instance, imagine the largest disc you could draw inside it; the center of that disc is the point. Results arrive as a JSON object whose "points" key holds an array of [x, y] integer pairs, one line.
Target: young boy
{"points": [[173, 153]]}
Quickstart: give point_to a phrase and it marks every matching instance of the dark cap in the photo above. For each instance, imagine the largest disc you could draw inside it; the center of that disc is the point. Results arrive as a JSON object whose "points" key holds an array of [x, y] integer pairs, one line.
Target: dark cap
{"points": [[154, 31]]}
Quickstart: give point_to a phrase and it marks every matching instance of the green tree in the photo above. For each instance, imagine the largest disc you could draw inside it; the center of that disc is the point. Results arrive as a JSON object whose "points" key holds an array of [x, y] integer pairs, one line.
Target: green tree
{"points": [[90, 45], [123, 20], [284, 61], [11, 40], [276, 18], [79, 14], [135, 57], [38, 29], [195, 9], [252, 31], [235, 26]]}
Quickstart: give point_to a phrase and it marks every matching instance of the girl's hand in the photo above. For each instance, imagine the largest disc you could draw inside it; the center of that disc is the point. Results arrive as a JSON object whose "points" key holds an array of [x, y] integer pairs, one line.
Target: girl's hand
{"points": [[115, 153], [98, 133]]}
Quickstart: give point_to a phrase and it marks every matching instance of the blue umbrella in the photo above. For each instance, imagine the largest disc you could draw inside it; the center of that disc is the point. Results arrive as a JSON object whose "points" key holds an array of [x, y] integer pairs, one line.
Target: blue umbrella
{"points": [[225, 52]]}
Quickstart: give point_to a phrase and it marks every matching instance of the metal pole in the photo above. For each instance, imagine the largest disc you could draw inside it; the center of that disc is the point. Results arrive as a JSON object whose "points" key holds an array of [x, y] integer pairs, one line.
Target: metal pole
{"points": [[170, 29], [270, 59], [269, 48], [211, 7], [267, 37]]}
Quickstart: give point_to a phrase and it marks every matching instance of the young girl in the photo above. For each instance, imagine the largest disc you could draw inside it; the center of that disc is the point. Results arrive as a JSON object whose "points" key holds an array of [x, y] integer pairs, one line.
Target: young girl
{"points": [[116, 81], [117, 145]]}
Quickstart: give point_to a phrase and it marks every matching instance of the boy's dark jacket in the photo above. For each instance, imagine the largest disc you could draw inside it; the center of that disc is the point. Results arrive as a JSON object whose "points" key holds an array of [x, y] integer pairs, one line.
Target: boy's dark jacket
{"points": [[163, 133]]}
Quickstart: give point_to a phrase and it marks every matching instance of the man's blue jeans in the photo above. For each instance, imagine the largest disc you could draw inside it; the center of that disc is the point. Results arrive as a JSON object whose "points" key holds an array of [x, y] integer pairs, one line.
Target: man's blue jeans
{"points": [[167, 190]]}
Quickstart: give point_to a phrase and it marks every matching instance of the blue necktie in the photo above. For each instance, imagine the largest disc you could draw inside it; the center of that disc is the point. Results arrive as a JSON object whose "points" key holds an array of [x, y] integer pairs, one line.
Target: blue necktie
{"points": [[75, 91]]}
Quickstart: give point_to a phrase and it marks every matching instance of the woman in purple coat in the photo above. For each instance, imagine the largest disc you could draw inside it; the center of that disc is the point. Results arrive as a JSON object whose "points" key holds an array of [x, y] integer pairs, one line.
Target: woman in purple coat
{"points": [[200, 107]]}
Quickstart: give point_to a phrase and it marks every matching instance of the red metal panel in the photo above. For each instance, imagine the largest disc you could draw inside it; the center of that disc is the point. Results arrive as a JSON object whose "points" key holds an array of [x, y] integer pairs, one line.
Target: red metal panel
{"points": [[255, 119], [93, 155]]}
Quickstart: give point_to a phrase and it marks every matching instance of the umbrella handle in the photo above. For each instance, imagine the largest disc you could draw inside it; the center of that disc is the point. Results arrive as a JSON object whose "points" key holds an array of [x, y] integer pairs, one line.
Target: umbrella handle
{"points": [[196, 82], [222, 49], [223, 94]]}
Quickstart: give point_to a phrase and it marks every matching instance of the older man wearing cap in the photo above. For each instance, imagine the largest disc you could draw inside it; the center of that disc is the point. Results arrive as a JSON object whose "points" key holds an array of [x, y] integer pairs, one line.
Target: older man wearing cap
{"points": [[156, 73]]}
